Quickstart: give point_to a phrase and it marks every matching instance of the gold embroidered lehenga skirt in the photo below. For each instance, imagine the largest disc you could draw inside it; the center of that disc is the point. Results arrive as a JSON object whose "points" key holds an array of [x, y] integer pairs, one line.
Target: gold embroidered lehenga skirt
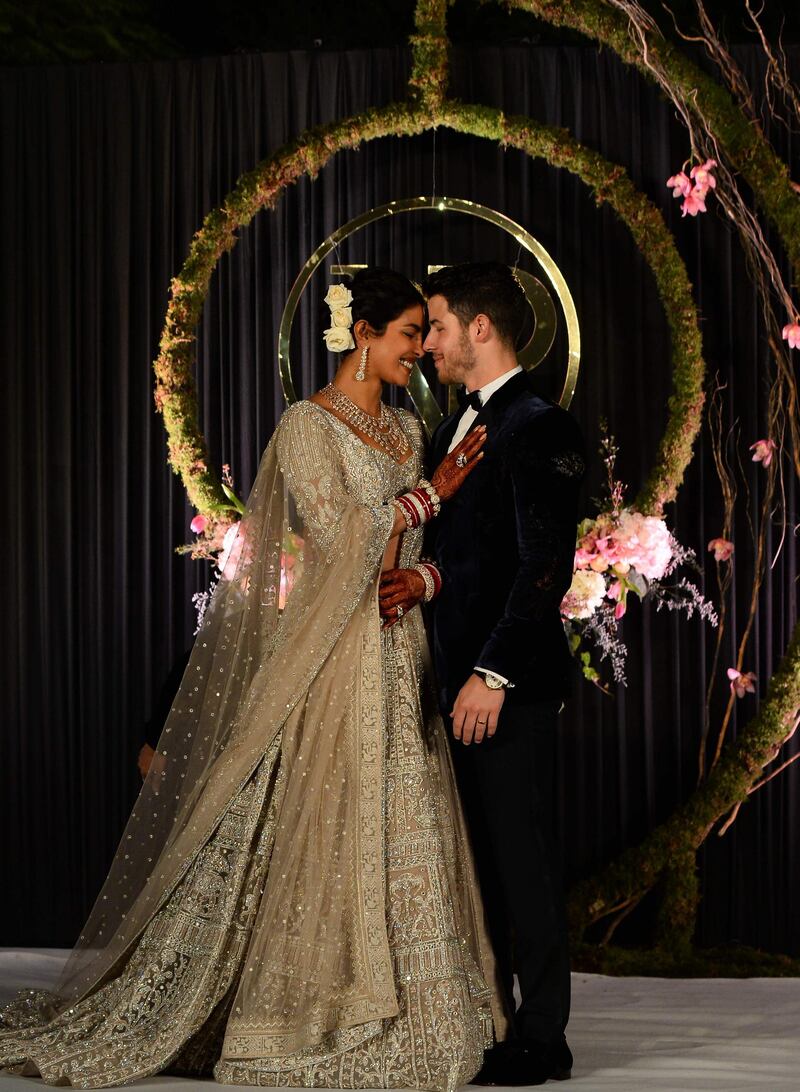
{"points": [[168, 1009]]}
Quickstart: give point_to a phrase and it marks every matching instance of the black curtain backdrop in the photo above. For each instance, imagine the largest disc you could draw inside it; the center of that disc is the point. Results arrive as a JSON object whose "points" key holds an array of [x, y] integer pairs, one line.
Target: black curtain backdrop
{"points": [[107, 170]]}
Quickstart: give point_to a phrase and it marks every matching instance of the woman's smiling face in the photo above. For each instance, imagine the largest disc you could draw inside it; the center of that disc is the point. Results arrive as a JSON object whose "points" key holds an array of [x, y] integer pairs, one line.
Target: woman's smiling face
{"points": [[393, 353]]}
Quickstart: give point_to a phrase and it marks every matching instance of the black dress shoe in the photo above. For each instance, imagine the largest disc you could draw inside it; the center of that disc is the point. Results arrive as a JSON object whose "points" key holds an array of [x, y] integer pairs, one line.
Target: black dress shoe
{"points": [[552, 1061], [497, 1063], [522, 1062]]}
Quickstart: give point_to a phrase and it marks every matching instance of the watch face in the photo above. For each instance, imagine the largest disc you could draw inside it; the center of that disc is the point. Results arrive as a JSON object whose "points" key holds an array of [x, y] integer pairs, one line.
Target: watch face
{"points": [[493, 682]]}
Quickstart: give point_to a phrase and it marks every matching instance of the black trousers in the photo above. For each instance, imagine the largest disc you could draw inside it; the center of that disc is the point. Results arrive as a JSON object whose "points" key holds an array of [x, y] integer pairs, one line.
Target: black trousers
{"points": [[507, 787]]}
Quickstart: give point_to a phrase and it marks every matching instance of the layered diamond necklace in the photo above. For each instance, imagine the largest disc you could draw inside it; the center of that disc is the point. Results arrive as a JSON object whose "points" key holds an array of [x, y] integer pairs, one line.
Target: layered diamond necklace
{"points": [[386, 430]]}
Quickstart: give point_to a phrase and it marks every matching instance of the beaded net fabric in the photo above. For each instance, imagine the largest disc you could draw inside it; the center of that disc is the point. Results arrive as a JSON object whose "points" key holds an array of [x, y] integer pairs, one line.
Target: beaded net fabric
{"points": [[292, 900]]}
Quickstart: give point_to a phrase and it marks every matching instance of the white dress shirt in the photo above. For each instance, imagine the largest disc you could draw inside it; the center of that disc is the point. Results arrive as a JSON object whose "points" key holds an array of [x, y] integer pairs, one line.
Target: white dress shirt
{"points": [[485, 393], [469, 415]]}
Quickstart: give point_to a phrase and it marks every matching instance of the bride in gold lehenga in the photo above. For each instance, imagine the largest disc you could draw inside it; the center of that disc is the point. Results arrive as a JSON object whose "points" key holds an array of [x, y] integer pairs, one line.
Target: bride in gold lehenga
{"points": [[293, 902]]}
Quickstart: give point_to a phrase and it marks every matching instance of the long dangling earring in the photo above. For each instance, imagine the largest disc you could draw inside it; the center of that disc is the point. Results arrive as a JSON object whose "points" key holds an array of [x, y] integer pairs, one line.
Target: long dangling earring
{"points": [[361, 374]]}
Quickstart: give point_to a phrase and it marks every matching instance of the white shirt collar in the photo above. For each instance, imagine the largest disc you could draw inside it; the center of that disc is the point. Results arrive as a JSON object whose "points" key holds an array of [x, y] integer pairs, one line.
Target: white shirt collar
{"points": [[485, 393]]}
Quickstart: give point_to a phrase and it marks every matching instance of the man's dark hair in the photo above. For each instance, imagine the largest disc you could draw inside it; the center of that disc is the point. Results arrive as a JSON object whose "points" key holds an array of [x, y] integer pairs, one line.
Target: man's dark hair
{"points": [[488, 288]]}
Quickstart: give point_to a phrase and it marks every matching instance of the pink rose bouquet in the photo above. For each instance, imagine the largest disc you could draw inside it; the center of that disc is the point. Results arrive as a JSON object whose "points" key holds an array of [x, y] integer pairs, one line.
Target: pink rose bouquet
{"points": [[619, 552]]}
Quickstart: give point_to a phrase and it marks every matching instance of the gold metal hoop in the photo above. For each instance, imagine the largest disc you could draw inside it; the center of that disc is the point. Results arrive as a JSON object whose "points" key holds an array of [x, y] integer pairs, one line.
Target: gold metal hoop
{"points": [[536, 292]]}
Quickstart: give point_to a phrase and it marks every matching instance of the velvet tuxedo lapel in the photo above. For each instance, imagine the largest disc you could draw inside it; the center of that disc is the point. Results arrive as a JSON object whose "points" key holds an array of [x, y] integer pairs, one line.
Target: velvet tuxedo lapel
{"points": [[501, 399], [493, 409]]}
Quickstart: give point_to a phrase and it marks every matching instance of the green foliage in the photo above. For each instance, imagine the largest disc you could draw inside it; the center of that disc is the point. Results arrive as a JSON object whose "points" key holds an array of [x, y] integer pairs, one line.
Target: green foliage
{"points": [[662, 962], [236, 504], [67, 30], [584, 659], [429, 74], [744, 142], [80, 30], [668, 852]]}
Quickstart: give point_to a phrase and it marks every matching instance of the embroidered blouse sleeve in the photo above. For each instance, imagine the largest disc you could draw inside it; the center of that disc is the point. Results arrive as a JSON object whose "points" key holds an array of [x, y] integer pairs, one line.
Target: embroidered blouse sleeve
{"points": [[310, 461]]}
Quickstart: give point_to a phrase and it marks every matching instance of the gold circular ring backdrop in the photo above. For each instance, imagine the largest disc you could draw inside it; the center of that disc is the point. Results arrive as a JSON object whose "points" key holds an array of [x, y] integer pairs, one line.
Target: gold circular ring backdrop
{"points": [[537, 294]]}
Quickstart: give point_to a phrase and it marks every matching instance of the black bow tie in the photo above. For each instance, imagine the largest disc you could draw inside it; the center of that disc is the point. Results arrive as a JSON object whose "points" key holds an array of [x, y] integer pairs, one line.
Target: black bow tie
{"points": [[472, 399]]}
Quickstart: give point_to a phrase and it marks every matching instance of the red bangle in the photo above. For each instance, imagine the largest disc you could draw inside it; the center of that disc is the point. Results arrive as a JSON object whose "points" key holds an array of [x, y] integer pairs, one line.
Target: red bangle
{"points": [[417, 507], [425, 501]]}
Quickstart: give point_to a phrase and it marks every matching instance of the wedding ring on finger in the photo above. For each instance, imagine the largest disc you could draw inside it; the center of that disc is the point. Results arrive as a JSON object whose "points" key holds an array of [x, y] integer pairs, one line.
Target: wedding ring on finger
{"points": [[461, 460], [400, 612]]}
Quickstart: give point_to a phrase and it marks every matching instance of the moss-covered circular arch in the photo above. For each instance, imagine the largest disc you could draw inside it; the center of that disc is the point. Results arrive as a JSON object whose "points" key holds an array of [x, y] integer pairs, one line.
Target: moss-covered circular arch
{"points": [[261, 188], [427, 107]]}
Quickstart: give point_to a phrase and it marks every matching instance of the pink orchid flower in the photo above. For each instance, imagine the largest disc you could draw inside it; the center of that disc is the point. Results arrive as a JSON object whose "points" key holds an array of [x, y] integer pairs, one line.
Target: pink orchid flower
{"points": [[763, 451], [741, 684], [791, 333], [199, 524], [721, 548], [680, 185], [703, 178], [693, 203]]}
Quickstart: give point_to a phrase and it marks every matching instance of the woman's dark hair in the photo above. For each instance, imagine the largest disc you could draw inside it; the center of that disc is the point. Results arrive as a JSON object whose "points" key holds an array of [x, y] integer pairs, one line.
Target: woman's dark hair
{"points": [[381, 295], [488, 287]]}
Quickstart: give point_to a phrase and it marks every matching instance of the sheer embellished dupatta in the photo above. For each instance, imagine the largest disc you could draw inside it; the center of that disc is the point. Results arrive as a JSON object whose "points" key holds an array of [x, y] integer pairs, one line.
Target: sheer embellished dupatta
{"points": [[250, 678]]}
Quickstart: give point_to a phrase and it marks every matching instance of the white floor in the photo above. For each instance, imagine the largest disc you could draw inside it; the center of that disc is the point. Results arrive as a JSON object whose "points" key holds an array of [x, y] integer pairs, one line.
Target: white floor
{"points": [[627, 1034]]}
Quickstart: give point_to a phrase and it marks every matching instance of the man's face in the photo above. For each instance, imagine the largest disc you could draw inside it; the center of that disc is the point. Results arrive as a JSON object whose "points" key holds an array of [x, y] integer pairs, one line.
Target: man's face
{"points": [[449, 343]]}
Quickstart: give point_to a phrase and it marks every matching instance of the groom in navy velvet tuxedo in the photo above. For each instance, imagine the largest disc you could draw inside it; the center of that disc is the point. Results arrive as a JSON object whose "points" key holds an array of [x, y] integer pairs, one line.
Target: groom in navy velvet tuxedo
{"points": [[504, 545]]}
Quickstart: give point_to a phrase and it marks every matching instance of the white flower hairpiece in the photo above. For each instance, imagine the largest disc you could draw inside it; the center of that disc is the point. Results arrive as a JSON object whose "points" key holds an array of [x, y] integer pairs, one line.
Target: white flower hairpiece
{"points": [[338, 337]]}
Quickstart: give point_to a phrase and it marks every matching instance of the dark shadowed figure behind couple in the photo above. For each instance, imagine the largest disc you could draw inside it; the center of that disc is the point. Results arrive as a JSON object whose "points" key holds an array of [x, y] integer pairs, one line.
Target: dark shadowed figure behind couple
{"points": [[294, 900]]}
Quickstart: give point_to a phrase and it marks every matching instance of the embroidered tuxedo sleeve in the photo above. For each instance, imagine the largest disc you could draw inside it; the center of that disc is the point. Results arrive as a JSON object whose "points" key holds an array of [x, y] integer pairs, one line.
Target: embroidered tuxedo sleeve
{"points": [[546, 464]]}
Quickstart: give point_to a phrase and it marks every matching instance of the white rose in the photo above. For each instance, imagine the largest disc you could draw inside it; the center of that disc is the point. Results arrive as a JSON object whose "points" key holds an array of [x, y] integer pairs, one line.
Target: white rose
{"points": [[339, 339], [342, 316], [339, 295]]}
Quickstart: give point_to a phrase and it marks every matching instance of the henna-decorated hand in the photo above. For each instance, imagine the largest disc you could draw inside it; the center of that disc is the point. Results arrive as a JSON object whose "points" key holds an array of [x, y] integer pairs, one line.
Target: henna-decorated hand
{"points": [[150, 758], [399, 588], [449, 476], [144, 759]]}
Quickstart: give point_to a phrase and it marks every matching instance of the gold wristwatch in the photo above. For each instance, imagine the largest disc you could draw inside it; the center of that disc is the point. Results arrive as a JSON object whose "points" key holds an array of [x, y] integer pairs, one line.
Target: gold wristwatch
{"points": [[494, 682]]}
